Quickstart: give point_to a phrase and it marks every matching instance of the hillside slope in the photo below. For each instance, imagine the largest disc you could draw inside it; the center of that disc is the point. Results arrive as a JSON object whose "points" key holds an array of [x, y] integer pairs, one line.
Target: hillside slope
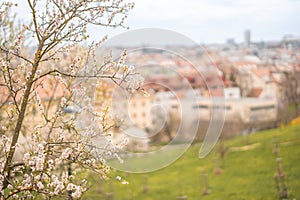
{"points": [[247, 172]]}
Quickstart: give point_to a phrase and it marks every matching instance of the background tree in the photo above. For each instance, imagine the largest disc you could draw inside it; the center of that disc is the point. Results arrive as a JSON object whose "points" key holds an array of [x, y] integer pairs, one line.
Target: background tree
{"points": [[289, 105], [40, 142], [164, 126], [291, 86]]}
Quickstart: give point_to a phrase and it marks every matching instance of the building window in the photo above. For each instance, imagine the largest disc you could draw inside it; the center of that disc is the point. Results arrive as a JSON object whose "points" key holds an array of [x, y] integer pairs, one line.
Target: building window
{"points": [[174, 106], [200, 107], [34, 112], [262, 108], [133, 104], [222, 107]]}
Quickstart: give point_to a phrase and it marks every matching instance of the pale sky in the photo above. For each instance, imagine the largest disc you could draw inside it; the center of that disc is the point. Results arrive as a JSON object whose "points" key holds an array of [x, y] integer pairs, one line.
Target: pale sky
{"points": [[210, 21]]}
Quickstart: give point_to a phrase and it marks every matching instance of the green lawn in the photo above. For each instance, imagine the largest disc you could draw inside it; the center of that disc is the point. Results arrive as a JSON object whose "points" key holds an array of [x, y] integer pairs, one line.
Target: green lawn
{"points": [[248, 172]]}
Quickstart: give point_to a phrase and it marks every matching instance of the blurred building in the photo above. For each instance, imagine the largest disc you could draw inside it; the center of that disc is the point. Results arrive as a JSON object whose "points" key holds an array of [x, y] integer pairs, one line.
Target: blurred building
{"points": [[247, 36], [246, 110]]}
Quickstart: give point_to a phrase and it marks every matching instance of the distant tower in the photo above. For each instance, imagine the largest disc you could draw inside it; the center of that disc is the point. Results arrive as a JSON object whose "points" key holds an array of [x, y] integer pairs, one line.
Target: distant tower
{"points": [[247, 38]]}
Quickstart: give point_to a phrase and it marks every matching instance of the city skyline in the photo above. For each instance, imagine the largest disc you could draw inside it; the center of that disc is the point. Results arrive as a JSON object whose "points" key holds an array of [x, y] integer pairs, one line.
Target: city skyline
{"points": [[208, 21]]}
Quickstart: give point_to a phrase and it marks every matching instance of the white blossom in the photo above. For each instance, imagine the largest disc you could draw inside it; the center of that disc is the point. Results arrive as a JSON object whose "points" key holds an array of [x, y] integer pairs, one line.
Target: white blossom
{"points": [[65, 154], [40, 185]]}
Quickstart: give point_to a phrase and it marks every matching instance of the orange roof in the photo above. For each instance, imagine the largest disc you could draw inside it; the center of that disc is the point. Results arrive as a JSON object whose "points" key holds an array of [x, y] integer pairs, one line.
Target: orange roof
{"points": [[255, 92], [261, 71], [239, 64]]}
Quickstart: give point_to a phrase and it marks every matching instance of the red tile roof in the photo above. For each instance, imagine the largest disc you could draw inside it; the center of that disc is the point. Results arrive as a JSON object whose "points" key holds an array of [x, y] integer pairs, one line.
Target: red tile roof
{"points": [[255, 92]]}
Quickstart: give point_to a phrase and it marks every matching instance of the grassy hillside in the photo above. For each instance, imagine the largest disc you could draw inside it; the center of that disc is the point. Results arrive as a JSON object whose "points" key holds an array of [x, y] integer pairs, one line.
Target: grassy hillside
{"points": [[247, 172]]}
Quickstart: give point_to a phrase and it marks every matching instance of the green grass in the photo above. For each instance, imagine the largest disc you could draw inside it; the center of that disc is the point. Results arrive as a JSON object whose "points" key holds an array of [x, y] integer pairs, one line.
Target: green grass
{"points": [[246, 174]]}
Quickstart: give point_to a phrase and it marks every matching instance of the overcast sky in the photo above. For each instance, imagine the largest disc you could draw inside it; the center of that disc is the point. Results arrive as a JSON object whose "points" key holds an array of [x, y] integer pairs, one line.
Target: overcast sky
{"points": [[211, 21]]}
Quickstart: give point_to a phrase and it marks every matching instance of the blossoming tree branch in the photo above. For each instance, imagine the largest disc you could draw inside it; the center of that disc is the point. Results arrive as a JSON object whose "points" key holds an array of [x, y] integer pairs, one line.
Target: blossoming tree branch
{"points": [[43, 66]]}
